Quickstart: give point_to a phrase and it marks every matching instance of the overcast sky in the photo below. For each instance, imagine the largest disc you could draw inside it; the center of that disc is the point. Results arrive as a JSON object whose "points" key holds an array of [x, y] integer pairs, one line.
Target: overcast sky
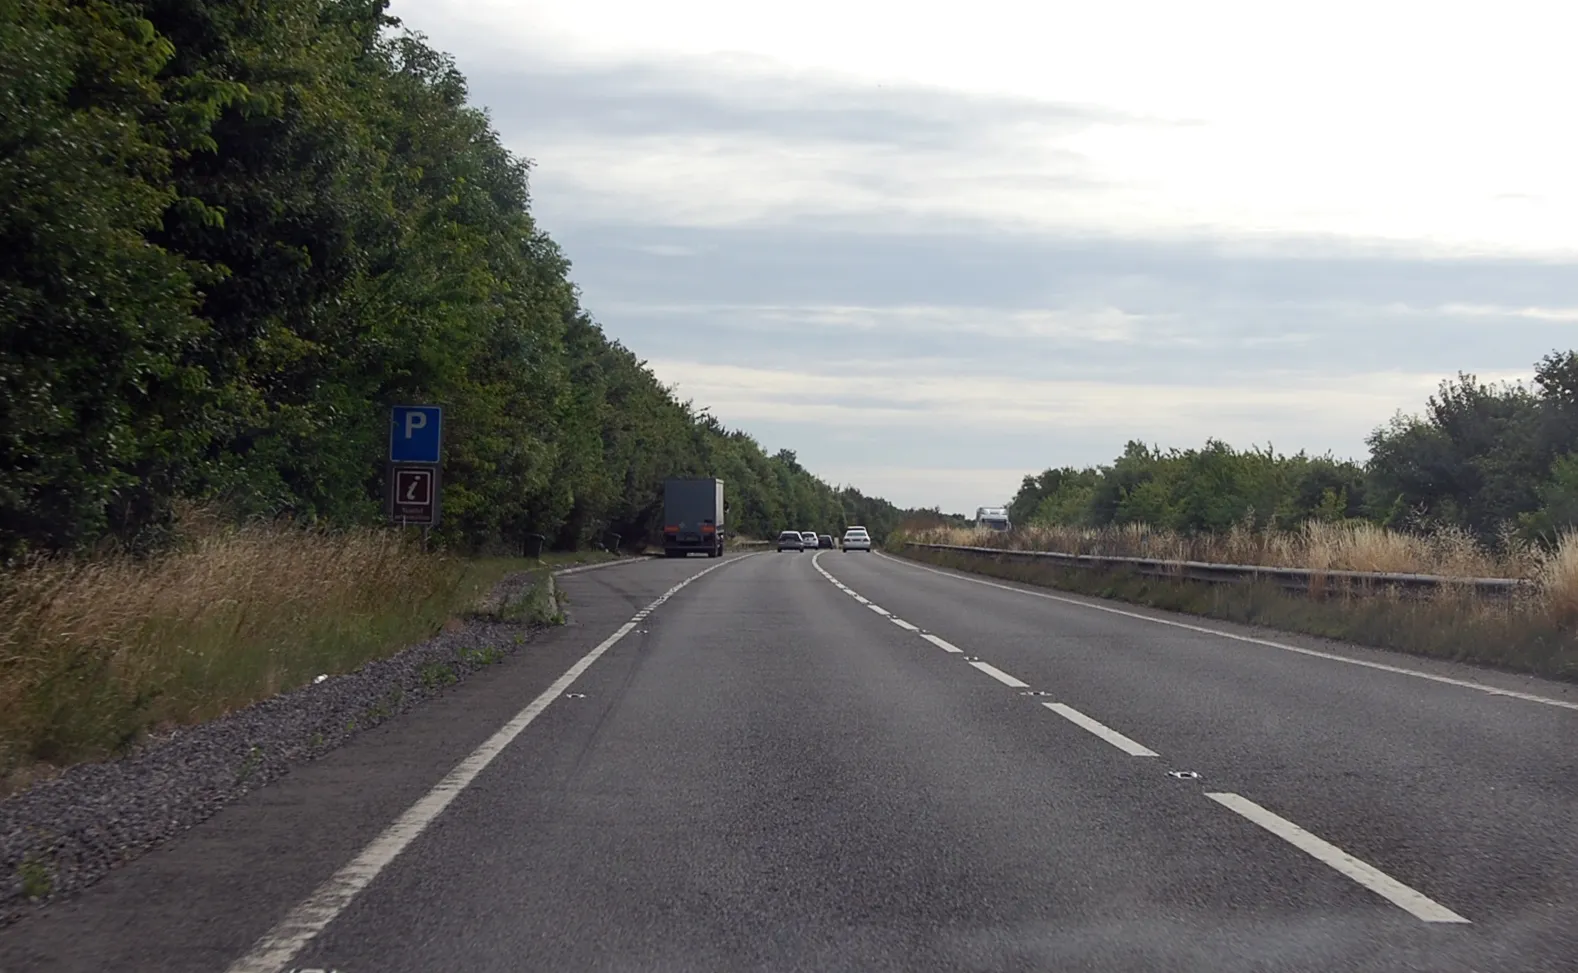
{"points": [[934, 248]]}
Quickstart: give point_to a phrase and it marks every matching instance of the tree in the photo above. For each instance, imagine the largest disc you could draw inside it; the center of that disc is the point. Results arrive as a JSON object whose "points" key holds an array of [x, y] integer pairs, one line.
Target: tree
{"points": [[101, 414], [1472, 460], [234, 234]]}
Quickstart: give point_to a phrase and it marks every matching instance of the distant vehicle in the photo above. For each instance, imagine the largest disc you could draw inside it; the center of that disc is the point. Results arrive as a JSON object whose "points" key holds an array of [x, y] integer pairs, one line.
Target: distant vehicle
{"points": [[693, 512], [992, 518], [808, 538], [790, 540], [824, 541], [856, 539]]}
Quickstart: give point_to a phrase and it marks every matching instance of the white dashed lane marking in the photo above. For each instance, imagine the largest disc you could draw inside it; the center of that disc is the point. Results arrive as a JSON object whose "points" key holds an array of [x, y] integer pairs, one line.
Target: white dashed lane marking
{"points": [[1250, 639], [1112, 736], [1012, 682], [1372, 878], [1367, 875], [941, 643]]}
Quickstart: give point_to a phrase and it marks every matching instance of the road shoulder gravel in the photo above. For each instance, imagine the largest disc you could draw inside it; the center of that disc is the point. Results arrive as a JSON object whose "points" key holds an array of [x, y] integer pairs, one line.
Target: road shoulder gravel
{"points": [[63, 835]]}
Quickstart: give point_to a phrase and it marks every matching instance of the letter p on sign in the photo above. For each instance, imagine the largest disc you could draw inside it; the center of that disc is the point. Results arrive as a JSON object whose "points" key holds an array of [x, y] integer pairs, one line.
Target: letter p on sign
{"points": [[415, 433]]}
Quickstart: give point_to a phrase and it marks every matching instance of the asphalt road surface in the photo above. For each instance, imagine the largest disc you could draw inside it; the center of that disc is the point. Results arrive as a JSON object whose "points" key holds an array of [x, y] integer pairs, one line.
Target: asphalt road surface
{"points": [[830, 761]]}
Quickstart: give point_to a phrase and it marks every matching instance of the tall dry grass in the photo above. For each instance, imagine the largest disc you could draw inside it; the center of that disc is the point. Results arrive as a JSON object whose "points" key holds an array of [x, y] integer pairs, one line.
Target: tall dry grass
{"points": [[1557, 576], [1318, 546], [95, 653], [1322, 546], [1534, 635]]}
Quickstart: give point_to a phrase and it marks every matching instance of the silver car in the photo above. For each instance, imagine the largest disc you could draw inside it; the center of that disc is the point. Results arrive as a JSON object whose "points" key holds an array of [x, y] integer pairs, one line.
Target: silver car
{"points": [[790, 540]]}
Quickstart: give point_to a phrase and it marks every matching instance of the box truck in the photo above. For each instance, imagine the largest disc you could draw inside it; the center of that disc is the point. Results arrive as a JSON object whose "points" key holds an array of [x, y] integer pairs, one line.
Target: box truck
{"points": [[693, 517]]}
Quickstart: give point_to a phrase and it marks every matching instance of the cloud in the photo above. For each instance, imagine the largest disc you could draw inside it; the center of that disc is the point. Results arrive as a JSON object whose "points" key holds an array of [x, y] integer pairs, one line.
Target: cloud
{"points": [[1558, 314], [924, 435], [1195, 313], [721, 142], [929, 396], [958, 490], [1045, 117], [665, 250], [976, 352], [1103, 325], [685, 98], [710, 142], [872, 266], [926, 274]]}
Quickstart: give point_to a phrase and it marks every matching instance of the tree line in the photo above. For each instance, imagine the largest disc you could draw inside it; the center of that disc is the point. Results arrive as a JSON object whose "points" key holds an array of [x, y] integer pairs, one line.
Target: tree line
{"points": [[233, 234], [1499, 461]]}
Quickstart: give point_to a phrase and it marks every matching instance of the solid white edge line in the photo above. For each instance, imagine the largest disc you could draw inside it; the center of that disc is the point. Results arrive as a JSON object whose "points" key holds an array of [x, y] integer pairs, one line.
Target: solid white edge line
{"points": [[901, 623], [940, 643], [1367, 875], [1315, 653], [1107, 733], [627, 559], [1011, 682], [582, 568], [280, 945]]}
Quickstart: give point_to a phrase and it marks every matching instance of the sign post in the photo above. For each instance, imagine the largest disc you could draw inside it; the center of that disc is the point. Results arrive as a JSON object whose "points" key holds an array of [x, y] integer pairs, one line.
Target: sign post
{"points": [[415, 444]]}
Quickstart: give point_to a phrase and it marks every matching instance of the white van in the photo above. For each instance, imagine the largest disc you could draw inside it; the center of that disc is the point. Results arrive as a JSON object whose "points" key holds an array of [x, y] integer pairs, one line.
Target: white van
{"points": [[992, 518]]}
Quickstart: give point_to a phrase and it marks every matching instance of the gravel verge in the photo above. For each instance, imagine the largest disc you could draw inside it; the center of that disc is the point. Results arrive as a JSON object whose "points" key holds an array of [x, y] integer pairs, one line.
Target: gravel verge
{"points": [[64, 834]]}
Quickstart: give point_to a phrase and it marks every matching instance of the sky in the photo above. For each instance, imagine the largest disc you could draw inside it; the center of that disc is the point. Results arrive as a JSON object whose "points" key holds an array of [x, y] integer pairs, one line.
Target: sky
{"points": [[934, 248]]}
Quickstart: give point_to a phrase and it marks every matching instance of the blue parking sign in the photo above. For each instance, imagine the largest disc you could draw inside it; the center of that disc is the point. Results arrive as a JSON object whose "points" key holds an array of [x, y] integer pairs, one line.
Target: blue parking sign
{"points": [[415, 433]]}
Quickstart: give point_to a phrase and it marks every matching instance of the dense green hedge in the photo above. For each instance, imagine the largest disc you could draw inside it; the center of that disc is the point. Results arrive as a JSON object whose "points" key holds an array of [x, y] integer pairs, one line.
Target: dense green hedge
{"points": [[232, 234], [1493, 460]]}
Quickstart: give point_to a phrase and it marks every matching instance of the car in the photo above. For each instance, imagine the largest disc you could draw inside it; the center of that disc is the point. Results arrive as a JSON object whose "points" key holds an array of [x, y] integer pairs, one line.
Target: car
{"points": [[856, 539], [790, 540], [808, 539], [824, 541]]}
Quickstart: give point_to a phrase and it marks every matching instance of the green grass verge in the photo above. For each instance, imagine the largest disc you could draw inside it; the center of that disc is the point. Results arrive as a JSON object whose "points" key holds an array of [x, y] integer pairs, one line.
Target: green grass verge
{"points": [[1517, 637]]}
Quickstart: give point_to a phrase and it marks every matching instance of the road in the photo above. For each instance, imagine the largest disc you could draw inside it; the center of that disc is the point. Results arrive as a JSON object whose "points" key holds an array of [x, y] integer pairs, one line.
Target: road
{"points": [[849, 762]]}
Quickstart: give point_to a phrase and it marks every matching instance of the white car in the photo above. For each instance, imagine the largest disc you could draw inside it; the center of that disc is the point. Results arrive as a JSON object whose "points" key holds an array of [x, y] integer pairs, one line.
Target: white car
{"points": [[856, 539], [808, 539]]}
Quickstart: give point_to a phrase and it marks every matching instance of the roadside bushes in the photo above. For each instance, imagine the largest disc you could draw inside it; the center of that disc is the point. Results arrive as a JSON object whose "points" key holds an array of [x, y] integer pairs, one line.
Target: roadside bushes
{"points": [[1496, 462]]}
